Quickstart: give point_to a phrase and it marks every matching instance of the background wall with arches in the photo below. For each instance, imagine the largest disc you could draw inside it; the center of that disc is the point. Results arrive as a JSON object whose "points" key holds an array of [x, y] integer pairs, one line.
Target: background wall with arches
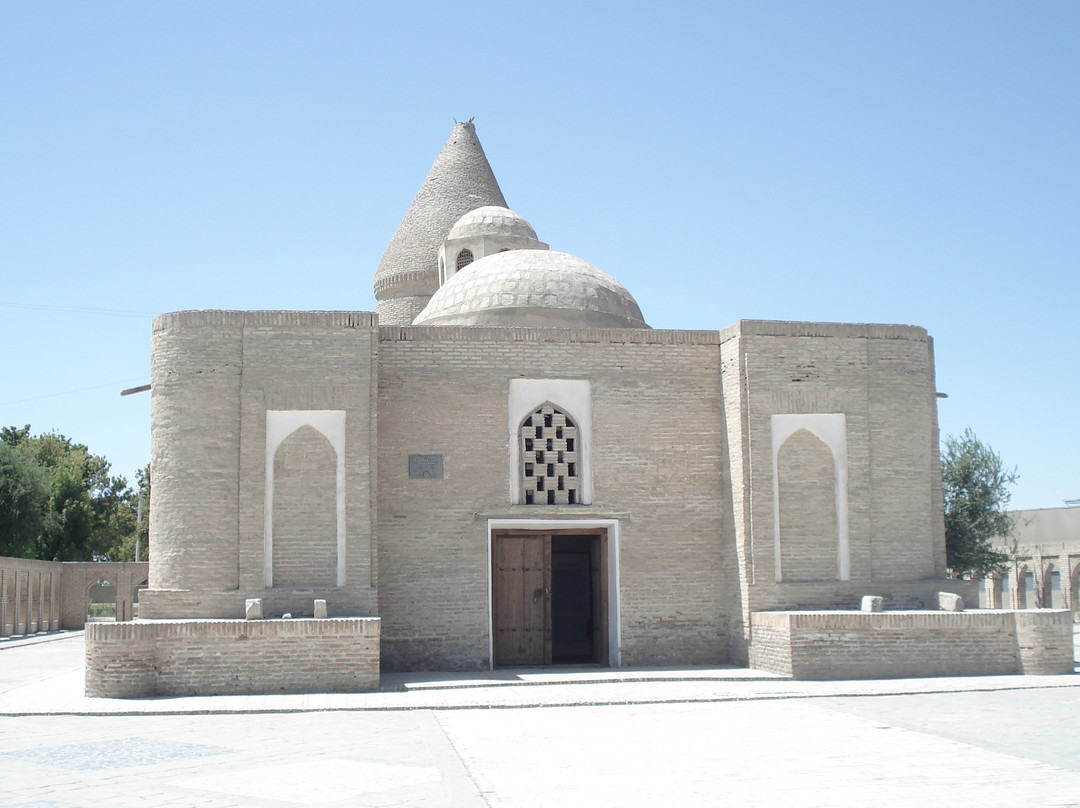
{"points": [[1044, 566], [37, 596]]}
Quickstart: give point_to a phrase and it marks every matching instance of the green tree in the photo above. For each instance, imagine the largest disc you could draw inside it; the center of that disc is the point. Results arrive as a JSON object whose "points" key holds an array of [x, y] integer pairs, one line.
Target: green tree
{"points": [[24, 494], [975, 485], [125, 550], [88, 514]]}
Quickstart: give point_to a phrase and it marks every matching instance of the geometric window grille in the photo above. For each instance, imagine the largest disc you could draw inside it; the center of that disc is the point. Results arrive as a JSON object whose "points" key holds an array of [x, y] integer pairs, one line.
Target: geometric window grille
{"points": [[464, 258], [549, 458]]}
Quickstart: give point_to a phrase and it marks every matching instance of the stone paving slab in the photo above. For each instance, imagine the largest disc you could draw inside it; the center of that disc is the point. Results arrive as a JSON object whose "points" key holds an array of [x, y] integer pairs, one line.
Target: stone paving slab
{"points": [[748, 753], [61, 692], [576, 674], [62, 696], [800, 752], [698, 737], [1038, 723], [309, 759]]}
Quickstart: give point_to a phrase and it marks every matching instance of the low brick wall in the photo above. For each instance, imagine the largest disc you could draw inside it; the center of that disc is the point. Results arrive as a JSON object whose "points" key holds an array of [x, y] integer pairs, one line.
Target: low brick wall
{"points": [[219, 657], [890, 645]]}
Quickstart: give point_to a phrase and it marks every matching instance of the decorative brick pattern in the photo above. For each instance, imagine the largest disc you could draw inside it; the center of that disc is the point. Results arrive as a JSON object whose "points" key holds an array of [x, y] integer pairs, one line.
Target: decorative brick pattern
{"points": [[549, 458]]}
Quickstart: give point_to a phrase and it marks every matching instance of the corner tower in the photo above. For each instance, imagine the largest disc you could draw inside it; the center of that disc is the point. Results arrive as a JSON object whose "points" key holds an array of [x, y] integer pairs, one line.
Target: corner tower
{"points": [[460, 181]]}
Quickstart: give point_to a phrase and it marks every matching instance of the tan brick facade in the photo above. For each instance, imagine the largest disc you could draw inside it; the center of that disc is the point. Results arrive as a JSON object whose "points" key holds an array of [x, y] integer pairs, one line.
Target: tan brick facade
{"points": [[680, 448], [216, 375], [658, 454], [881, 379]]}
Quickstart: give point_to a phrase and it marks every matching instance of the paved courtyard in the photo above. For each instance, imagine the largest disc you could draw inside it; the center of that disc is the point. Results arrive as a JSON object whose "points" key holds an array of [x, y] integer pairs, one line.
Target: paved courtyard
{"points": [[553, 738]]}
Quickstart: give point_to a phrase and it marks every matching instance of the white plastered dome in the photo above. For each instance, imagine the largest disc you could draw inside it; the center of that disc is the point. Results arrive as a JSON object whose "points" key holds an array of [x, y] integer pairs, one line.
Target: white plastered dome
{"points": [[532, 288], [492, 221]]}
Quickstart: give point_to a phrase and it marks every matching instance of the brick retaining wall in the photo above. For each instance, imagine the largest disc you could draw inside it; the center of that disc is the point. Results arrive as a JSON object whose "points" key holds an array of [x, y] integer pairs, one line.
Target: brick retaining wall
{"points": [[889, 645], [218, 657]]}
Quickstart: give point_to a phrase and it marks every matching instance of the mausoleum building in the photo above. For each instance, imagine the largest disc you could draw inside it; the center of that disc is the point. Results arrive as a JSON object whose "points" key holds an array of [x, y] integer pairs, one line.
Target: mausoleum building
{"points": [[506, 466]]}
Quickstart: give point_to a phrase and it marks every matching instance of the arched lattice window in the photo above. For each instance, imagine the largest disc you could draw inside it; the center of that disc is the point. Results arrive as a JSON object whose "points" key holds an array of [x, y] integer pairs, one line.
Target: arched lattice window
{"points": [[549, 458], [464, 258]]}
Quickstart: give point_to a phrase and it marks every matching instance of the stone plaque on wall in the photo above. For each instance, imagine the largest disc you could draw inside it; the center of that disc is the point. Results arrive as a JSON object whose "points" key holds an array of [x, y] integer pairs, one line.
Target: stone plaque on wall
{"points": [[425, 466]]}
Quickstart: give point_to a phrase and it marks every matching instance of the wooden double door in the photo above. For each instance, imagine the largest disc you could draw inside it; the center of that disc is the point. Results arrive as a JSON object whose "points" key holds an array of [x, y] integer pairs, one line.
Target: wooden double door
{"points": [[549, 597]]}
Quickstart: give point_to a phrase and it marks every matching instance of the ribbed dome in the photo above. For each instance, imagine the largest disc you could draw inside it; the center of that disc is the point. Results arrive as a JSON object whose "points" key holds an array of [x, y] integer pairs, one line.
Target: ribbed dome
{"points": [[532, 288], [494, 222]]}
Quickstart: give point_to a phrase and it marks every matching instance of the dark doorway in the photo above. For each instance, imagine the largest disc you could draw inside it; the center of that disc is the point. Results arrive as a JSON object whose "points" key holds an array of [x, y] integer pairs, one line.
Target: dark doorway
{"points": [[549, 598], [572, 599]]}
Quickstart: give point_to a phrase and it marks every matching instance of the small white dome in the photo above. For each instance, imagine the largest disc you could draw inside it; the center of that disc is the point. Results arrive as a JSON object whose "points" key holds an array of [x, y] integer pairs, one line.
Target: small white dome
{"points": [[532, 288], [492, 221]]}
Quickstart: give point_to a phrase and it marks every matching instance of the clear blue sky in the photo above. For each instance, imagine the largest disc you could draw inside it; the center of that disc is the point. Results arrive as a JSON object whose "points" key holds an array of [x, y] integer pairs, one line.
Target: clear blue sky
{"points": [[914, 162]]}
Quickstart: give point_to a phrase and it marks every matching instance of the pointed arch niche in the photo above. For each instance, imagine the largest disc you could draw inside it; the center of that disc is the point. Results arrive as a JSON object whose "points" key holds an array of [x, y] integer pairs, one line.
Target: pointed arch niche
{"points": [[318, 437], [571, 397], [810, 524]]}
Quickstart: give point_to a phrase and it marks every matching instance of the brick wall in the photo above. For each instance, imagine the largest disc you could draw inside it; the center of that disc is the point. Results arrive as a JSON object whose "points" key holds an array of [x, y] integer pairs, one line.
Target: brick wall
{"points": [[881, 379], [402, 310], [37, 596], [195, 366], [1045, 640], [218, 657], [681, 458], [215, 374], [808, 523], [30, 596], [868, 645], [659, 461], [305, 511], [77, 577]]}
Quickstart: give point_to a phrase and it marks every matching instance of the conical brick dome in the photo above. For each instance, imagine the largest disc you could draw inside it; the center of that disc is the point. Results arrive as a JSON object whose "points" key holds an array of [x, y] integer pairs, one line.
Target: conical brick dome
{"points": [[460, 181]]}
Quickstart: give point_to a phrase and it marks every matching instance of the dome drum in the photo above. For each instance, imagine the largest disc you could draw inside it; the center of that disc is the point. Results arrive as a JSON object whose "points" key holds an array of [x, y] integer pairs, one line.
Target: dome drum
{"points": [[483, 232]]}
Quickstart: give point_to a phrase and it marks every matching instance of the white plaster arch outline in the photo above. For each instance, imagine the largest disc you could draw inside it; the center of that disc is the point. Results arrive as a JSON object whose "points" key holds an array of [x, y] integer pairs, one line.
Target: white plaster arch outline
{"points": [[572, 396], [612, 526], [831, 429], [279, 425]]}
